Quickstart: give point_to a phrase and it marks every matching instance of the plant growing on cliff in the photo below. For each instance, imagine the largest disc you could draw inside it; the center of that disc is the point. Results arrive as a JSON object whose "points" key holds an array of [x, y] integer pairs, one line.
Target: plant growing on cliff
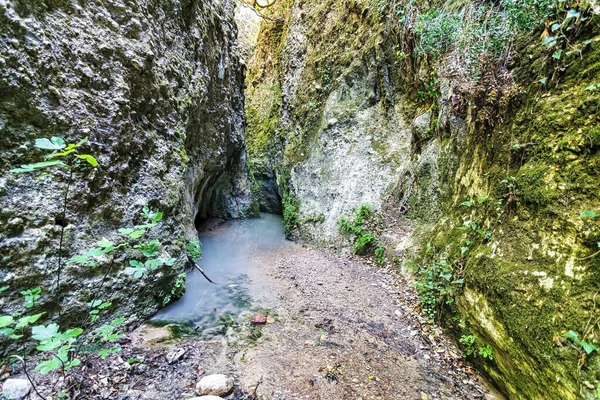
{"points": [[61, 349], [291, 205], [468, 341], [362, 230], [437, 284], [64, 155]]}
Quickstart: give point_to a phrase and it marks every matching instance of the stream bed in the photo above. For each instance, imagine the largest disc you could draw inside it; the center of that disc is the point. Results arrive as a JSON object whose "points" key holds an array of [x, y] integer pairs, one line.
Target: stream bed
{"points": [[232, 255]]}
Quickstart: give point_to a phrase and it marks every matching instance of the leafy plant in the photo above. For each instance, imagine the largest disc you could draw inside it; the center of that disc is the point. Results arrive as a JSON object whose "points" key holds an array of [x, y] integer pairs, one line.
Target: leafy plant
{"points": [[380, 258], [437, 285], [177, 290], [31, 296], [486, 352], [61, 348], [64, 155], [361, 230], [194, 249], [291, 207], [468, 341]]}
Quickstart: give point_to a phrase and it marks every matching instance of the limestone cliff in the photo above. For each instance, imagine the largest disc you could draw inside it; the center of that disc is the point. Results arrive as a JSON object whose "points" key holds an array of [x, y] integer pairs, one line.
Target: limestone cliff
{"points": [[156, 86], [491, 155]]}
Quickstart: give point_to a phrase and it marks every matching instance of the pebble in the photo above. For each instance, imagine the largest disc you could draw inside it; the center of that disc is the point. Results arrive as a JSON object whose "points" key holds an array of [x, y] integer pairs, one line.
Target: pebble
{"points": [[16, 388], [258, 319], [216, 385]]}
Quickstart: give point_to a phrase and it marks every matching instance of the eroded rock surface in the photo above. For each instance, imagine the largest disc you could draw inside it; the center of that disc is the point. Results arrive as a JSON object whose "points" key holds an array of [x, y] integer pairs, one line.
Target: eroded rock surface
{"points": [[157, 86]]}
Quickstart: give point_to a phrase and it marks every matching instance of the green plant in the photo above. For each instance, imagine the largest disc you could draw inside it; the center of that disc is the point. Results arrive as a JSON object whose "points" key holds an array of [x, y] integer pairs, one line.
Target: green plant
{"points": [[585, 346], [436, 286], [361, 230], [291, 207], [486, 352], [380, 258], [177, 290], [61, 349], [31, 296], [65, 156], [468, 341], [194, 249]]}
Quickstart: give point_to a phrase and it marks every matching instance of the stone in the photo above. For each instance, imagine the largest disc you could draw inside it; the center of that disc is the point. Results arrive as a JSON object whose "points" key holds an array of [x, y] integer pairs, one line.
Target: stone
{"points": [[175, 355], [258, 319], [15, 388], [216, 385]]}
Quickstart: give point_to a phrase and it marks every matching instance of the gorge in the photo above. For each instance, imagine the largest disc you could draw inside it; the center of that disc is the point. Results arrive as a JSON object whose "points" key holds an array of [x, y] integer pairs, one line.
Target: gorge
{"points": [[435, 163]]}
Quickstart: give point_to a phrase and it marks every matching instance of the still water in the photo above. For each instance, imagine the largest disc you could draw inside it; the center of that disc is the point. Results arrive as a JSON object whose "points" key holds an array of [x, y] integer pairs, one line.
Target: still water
{"points": [[231, 257]]}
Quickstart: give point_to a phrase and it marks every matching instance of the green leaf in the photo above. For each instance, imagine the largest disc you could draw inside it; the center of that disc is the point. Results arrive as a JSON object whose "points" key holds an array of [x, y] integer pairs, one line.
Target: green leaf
{"points": [[588, 214], [136, 263], [104, 243], [543, 81], [78, 260], [572, 335], [29, 319], [103, 353], [555, 27], [153, 264], [467, 203], [4, 288], [125, 231], [557, 54], [6, 320], [73, 363], [55, 143], [593, 86], [117, 321], [588, 347], [94, 303], [49, 345], [170, 261], [37, 166], [7, 331], [71, 333], [104, 305], [89, 158], [572, 13], [49, 365], [135, 272], [42, 332], [137, 234], [446, 276]]}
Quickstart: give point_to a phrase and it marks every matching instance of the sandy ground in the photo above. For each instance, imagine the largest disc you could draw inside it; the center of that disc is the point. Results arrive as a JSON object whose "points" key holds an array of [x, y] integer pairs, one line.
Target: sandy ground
{"points": [[346, 330]]}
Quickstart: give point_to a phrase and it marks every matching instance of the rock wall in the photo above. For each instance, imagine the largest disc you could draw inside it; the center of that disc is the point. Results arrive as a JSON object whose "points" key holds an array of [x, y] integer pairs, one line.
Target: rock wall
{"points": [[156, 85], [346, 112]]}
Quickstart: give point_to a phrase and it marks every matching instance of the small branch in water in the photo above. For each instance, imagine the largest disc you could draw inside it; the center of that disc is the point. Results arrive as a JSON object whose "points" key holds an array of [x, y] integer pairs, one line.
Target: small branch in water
{"points": [[191, 260]]}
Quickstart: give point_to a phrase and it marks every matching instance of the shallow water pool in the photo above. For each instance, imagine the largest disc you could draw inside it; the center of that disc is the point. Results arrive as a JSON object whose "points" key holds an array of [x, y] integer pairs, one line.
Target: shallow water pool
{"points": [[231, 256]]}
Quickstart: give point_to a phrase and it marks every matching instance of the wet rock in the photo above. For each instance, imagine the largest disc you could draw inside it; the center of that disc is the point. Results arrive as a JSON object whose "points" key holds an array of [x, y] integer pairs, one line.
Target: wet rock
{"points": [[15, 388], [258, 319], [216, 385]]}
